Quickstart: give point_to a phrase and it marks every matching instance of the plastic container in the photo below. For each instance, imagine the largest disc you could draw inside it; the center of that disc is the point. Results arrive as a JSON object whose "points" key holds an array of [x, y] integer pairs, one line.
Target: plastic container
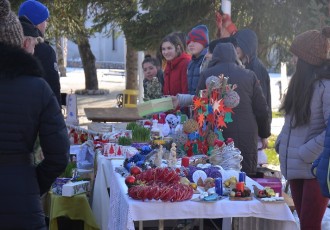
{"points": [[271, 182]]}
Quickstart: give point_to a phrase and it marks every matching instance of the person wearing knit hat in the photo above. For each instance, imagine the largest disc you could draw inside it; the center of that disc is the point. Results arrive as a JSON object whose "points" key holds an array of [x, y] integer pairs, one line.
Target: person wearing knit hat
{"points": [[197, 42], [306, 107], [31, 35], [312, 46], [28, 110], [10, 28], [38, 14], [35, 11]]}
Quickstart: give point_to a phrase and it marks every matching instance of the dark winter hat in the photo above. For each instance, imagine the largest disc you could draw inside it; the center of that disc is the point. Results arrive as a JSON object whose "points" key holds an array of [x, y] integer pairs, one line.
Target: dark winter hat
{"points": [[312, 46], [247, 40], [10, 28], [28, 28], [215, 42], [199, 34], [34, 10]]}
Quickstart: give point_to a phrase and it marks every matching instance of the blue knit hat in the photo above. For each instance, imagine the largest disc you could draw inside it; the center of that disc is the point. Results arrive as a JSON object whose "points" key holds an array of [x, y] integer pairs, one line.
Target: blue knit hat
{"points": [[199, 34], [34, 10]]}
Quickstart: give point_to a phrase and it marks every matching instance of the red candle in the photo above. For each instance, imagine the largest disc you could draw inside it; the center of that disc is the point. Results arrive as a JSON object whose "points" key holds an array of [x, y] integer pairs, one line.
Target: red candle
{"points": [[185, 161], [240, 186]]}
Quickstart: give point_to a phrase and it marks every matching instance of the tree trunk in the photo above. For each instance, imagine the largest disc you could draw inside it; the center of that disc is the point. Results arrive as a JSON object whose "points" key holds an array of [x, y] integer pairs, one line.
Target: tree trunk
{"points": [[88, 62], [60, 57], [131, 67]]}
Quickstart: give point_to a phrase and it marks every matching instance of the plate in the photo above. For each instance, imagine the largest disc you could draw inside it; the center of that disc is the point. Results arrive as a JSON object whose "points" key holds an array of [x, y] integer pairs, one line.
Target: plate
{"points": [[272, 200], [199, 174]]}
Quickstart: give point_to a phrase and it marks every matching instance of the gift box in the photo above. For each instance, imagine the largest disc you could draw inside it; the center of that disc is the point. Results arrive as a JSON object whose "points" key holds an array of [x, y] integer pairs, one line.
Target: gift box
{"points": [[74, 188], [271, 182], [155, 106], [58, 185]]}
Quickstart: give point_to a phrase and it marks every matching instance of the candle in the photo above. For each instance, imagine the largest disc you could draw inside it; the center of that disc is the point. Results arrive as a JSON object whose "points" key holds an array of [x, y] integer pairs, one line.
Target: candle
{"points": [[185, 161], [240, 186]]}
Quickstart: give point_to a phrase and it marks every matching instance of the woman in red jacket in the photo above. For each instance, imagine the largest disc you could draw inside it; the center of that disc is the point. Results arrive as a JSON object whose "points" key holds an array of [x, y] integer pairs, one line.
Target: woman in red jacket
{"points": [[175, 73]]}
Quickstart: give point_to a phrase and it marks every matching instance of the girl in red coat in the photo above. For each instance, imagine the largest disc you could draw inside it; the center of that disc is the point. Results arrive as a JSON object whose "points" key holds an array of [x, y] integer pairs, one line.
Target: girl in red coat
{"points": [[175, 73]]}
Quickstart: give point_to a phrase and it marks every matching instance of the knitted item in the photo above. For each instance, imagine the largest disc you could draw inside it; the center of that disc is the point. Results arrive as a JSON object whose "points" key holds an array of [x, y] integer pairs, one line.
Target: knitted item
{"points": [[199, 34], [312, 46], [34, 10], [10, 28]]}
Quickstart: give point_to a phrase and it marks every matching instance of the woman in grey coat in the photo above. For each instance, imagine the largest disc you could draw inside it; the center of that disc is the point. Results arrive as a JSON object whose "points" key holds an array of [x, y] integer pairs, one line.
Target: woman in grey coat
{"points": [[307, 108]]}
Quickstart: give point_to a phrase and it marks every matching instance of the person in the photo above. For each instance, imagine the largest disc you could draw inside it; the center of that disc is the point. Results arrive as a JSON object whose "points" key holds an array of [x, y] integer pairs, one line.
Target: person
{"points": [[153, 78], [197, 42], [31, 35], [175, 73], [306, 106], [38, 14], [252, 113], [212, 45], [247, 48], [28, 108]]}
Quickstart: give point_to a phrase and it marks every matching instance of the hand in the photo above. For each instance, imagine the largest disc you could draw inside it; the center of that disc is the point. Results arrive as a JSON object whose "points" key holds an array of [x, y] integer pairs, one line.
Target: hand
{"points": [[175, 101], [264, 142]]}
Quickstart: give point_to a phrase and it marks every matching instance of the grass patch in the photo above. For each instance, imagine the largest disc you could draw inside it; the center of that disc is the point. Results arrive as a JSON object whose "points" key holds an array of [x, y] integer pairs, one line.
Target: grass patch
{"points": [[270, 151], [276, 114]]}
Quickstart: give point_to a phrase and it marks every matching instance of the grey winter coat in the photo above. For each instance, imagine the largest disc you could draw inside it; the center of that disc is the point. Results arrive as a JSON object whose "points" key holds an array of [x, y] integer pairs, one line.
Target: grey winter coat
{"points": [[193, 71], [28, 108], [252, 113], [299, 147]]}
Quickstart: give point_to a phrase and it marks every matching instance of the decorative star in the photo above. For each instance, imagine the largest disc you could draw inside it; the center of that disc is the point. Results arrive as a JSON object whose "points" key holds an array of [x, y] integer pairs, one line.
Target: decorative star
{"points": [[221, 122], [197, 103]]}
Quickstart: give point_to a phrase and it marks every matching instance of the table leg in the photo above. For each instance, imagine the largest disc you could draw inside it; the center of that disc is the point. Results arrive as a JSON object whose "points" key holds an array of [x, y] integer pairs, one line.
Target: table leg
{"points": [[201, 224], [140, 225], [161, 225]]}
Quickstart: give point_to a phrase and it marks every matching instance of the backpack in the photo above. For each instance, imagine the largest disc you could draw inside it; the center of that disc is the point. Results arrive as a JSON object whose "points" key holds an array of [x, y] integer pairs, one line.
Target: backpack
{"points": [[321, 166]]}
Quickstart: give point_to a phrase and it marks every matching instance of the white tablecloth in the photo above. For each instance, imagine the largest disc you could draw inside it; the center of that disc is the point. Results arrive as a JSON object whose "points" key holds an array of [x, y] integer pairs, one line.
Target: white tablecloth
{"points": [[124, 210], [101, 200]]}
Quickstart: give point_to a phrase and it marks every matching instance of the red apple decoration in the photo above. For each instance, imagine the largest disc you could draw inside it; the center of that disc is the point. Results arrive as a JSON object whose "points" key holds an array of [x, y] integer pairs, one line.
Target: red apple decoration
{"points": [[129, 180], [135, 170]]}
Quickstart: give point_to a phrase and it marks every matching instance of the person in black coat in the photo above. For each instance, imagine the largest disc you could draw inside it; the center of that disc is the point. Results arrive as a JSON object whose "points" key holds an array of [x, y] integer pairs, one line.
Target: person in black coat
{"points": [[251, 116], [28, 109], [38, 14]]}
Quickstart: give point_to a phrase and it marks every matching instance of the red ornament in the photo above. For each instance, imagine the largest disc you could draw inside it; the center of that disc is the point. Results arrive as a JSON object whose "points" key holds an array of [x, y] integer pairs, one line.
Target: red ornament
{"points": [[129, 180], [135, 170]]}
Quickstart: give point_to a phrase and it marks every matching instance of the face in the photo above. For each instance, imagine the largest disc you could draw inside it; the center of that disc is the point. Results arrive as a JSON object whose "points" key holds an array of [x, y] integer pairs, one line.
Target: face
{"points": [[208, 56], [149, 70], [168, 51], [195, 48], [29, 44], [42, 27], [240, 53]]}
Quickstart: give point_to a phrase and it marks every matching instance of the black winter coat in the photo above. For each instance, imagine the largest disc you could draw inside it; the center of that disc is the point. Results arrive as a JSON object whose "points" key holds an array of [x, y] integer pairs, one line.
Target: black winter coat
{"points": [[47, 57], [28, 108], [251, 114]]}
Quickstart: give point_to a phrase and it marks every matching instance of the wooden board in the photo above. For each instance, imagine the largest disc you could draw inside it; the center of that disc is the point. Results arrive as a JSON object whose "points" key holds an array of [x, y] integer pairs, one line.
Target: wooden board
{"points": [[240, 198], [112, 114]]}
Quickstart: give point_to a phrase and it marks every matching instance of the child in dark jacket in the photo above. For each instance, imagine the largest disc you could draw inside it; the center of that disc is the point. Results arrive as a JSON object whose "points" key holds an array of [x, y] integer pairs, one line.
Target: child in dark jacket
{"points": [[153, 78], [197, 42]]}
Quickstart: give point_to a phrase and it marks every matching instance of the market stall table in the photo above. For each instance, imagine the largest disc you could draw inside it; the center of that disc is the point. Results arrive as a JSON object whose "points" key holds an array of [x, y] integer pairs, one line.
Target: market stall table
{"points": [[75, 208], [123, 210], [112, 114]]}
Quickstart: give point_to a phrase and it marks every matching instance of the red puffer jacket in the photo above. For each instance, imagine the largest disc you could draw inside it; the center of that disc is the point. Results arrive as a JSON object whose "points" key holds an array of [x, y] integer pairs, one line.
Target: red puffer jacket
{"points": [[175, 75]]}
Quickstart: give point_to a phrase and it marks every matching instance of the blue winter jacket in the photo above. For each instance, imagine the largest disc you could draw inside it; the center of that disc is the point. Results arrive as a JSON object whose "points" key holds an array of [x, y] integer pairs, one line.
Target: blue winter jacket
{"points": [[321, 166], [194, 72]]}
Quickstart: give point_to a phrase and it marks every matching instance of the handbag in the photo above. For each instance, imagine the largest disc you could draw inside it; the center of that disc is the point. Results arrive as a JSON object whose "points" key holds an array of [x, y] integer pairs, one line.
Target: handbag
{"points": [[321, 166]]}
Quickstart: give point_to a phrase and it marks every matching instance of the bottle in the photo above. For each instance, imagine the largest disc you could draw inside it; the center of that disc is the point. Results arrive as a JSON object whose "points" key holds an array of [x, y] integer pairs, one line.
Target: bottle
{"points": [[155, 131]]}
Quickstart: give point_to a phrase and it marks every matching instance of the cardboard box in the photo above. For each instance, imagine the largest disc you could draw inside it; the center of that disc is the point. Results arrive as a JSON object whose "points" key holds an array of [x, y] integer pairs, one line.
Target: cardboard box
{"points": [[155, 106], [272, 182], [74, 188]]}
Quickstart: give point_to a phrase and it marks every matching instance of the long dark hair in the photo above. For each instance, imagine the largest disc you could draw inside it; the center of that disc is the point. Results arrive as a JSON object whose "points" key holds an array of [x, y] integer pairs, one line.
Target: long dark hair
{"points": [[300, 91]]}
